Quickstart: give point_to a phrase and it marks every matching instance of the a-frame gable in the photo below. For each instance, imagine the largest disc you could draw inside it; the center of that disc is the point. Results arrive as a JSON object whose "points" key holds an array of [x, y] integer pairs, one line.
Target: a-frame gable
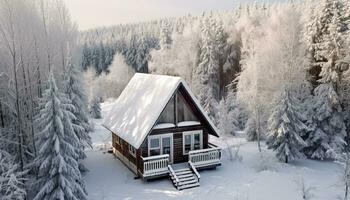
{"points": [[171, 113], [197, 111]]}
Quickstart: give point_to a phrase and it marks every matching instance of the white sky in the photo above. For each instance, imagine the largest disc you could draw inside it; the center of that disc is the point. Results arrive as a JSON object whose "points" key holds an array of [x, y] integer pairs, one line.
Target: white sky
{"points": [[94, 13]]}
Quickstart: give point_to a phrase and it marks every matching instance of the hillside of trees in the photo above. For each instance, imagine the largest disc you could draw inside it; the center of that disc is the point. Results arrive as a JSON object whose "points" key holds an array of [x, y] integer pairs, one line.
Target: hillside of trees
{"points": [[278, 71]]}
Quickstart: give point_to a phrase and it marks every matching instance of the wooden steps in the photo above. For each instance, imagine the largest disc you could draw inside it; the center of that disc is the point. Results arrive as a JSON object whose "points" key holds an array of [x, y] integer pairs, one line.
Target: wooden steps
{"points": [[183, 178]]}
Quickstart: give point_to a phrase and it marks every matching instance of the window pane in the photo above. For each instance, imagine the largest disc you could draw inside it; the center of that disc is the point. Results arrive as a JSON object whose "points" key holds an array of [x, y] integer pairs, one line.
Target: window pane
{"points": [[197, 141], [183, 111], [166, 142], [168, 114], [154, 143], [187, 143], [154, 152], [166, 145]]}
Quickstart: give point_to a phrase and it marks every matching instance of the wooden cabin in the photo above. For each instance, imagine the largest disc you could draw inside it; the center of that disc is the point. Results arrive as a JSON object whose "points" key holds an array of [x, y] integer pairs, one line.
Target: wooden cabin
{"points": [[156, 124]]}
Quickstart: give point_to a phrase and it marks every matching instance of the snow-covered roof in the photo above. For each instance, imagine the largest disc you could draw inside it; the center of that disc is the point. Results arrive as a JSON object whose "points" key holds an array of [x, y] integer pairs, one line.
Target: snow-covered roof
{"points": [[138, 107]]}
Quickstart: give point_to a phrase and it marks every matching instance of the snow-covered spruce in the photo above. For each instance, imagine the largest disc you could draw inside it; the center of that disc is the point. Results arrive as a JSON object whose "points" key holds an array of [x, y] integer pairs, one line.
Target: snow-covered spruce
{"points": [[11, 179], [250, 130], [95, 108], [326, 36], [227, 117], [327, 138], [58, 175], [284, 128], [74, 90]]}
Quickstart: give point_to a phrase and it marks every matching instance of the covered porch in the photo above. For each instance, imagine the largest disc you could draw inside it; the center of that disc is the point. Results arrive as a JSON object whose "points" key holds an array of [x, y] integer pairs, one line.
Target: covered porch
{"points": [[161, 165]]}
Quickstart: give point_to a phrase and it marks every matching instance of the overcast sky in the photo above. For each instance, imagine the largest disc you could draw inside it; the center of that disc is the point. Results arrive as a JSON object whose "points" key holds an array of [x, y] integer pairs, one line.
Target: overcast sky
{"points": [[95, 13]]}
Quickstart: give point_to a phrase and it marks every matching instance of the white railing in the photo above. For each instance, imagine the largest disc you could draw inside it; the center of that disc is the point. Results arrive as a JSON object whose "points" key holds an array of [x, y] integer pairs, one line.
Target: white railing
{"points": [[155, 165], [193, 168], [173, 174], [205, 157]]}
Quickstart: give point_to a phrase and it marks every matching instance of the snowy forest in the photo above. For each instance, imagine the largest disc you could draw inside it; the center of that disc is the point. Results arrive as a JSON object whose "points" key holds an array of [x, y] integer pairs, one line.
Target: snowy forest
{"points": [[277, 74]]}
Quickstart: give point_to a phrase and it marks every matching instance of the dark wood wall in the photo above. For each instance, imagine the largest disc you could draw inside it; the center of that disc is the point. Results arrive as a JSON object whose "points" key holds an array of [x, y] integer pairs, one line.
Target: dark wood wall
{"points": [[177, 141]]}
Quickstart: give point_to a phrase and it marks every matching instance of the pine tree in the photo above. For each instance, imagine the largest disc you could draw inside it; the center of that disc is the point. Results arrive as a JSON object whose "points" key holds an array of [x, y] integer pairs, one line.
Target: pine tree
{"points": [[74, 90], [284, 128], [165, 35], [226, 118], [327, 138], [326, 41], [58, 170], [250, 130], [11, 179], [95, 109], [207, 73]]}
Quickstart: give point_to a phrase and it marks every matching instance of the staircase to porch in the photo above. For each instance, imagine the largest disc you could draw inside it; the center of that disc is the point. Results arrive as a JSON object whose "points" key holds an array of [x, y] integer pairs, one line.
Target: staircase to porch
{"points": [[185, 177]]}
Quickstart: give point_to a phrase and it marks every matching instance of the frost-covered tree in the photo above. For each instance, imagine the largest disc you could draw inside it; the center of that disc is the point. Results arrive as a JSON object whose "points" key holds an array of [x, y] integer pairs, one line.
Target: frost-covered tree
{"points": [[95, 108], [250, 130], [165, 35], [11, 179], [74, 90], [207, 73], [227, 122], [325, 34], [58, 175], [327, 138], [285, 126]]}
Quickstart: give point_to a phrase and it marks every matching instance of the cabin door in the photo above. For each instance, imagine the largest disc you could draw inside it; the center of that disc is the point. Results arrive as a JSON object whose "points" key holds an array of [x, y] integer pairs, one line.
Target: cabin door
{"points": [[164, 142]]}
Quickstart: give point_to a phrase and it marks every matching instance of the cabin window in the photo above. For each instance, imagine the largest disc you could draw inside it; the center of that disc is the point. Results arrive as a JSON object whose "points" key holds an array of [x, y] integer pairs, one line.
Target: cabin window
{"points": [[117, 140], [188, 142], [168, 114], [192, 140], [132, 150], [184, 113], [154, 147]]}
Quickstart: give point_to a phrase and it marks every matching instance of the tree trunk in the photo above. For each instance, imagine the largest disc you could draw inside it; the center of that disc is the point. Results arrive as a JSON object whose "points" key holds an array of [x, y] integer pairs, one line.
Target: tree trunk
{"points": [[2, 118], [19, 121], [31, 113], [346, 191], [286, 159]]}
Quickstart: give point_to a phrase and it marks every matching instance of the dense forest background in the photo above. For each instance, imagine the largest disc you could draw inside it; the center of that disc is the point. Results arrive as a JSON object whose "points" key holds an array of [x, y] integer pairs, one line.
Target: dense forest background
{"points": [[279, 72]]}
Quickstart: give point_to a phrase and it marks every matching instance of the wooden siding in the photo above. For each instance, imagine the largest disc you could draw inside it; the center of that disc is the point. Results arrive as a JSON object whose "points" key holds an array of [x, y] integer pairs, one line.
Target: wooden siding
{"points": [[121, 151]]}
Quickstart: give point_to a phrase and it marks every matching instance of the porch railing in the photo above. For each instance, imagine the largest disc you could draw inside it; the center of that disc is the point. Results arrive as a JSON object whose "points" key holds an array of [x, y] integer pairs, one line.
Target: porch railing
{"points": [[155, 165], [205, 157]]}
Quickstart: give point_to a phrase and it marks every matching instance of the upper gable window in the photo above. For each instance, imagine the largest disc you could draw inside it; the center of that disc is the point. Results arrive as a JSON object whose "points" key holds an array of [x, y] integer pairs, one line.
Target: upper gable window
{"points": [[168, 114], [184, 113]]}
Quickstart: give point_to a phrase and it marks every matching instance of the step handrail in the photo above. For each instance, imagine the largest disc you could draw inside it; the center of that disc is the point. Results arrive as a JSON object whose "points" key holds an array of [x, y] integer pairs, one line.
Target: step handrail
{"points": [[174, 175], [193, 168]]}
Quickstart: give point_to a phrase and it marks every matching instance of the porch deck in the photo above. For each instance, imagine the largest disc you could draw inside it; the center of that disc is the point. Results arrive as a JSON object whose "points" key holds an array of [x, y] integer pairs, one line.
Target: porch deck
{"points": [[159, 166]]}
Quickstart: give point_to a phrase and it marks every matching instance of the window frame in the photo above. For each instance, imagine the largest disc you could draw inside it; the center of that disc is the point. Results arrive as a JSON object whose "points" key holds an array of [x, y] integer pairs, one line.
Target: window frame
{"points": [[160, 139], [154, 148], [117, 139], [191, 133], [132, 150]]}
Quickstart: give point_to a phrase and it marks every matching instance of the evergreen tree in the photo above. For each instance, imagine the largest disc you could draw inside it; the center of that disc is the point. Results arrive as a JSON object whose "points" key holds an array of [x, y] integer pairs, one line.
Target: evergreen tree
{"points": [[327, 138], [207, 73], [95, 109], [326, 41], [58, 170], [74, 90], [284, 128], [11, 179], [250, 130], [226, 118], [165, 35]]}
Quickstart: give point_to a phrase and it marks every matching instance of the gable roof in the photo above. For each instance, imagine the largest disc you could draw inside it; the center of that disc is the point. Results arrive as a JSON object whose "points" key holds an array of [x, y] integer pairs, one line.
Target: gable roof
{"points": [[138, 107]]}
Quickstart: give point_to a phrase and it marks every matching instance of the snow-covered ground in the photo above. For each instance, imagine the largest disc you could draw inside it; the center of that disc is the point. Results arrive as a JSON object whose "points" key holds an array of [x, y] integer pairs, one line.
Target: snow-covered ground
{"points": [[109, 179]]}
